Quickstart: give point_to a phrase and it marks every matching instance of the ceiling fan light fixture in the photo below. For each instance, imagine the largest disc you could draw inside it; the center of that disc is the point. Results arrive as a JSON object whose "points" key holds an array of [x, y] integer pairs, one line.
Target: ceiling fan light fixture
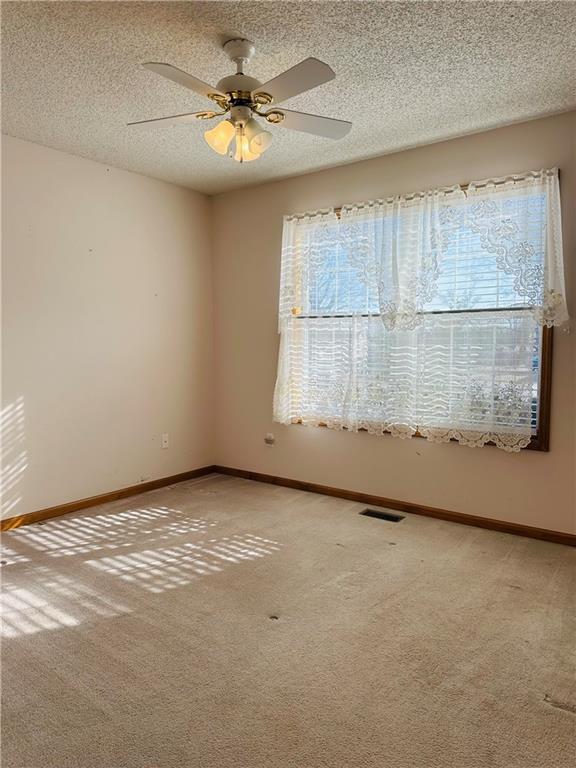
{"points": [[243, 97], [220, 137]]}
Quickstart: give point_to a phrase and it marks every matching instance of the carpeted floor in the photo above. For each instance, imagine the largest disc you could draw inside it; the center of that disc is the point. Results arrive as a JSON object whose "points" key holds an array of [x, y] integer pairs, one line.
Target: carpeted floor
{"points": [[223, 623]]}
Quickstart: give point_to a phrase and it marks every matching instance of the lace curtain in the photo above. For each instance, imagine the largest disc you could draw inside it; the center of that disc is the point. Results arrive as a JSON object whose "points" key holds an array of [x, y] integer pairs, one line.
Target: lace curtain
{"points": [[423, 313]]}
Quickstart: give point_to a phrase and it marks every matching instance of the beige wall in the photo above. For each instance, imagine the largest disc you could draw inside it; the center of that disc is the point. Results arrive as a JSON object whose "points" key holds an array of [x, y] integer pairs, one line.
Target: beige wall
{"points": [[107, 334], [529, 488], [107, 319]]}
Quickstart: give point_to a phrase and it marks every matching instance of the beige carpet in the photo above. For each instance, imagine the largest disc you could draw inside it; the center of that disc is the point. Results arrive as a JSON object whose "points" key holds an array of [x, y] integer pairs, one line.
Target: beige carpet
{"points": [[223, 623]]}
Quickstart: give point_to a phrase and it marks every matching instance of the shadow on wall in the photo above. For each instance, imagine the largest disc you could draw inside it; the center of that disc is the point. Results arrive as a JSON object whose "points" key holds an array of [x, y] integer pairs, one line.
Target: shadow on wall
{"points": [[73, 569], [13, 457]]}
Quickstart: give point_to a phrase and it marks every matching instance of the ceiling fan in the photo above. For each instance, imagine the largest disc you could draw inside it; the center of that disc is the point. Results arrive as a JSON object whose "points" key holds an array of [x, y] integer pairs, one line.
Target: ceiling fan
{"points": [[242, 97]]}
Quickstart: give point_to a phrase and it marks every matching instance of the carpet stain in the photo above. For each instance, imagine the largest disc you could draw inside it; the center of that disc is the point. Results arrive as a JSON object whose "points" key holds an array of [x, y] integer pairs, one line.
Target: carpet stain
{"points": [[563, 705]]}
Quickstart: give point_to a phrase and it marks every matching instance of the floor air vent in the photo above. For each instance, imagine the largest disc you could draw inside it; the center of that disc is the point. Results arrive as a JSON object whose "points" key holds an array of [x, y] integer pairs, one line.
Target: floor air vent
{"points": [[382, 514]]}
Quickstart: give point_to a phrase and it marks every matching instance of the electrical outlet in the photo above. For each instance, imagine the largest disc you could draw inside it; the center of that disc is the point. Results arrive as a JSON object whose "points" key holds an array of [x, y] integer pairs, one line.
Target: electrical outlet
{"points": [[269, 439], [165, 440]]}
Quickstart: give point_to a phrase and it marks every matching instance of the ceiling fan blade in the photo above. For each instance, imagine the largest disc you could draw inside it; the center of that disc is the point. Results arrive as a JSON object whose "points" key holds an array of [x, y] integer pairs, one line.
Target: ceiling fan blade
{"points": [[182, 78], [315, 124], [189, 117], [304, 76]]}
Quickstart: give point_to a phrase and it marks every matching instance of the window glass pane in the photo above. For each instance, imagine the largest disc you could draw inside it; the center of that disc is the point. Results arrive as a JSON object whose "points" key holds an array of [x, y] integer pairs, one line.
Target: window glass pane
{"points": [[479, 372], [336, 284], [476, 242], [481, 246]]}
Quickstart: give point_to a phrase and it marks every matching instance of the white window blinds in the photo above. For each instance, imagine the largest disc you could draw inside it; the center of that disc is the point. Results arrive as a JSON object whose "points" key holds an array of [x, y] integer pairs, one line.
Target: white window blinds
{"points": [[423, 313]]}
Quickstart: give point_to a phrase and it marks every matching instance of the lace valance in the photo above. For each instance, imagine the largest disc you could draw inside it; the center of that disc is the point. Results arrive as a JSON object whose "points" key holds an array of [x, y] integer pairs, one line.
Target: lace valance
{"points": [[494, 244]]}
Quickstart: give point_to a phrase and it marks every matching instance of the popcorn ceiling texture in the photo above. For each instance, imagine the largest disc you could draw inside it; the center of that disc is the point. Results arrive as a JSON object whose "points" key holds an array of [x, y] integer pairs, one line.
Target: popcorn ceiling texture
{"points": [[408, 73]]}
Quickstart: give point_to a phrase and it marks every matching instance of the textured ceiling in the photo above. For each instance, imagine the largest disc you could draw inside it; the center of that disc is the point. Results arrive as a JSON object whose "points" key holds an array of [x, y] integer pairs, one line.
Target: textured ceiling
{"points": [[408, 73]]}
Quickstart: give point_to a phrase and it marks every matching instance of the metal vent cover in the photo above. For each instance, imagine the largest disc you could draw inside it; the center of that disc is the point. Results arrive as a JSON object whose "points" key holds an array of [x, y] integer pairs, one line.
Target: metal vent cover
{"points": [[382, 514]]}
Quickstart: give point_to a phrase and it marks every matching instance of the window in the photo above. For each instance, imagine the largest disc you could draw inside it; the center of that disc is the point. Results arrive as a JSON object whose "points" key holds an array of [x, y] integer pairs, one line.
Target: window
{"points": [[427, 314]]}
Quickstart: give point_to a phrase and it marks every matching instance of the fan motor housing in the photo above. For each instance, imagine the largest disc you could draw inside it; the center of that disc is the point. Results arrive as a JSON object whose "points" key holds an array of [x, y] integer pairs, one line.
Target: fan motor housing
{"points": [[238, 83]]}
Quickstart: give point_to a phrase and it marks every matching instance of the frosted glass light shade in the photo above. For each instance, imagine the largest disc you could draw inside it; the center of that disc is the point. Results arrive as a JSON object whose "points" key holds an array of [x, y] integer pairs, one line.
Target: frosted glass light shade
{"points": [[258, 139], [219, 138]]}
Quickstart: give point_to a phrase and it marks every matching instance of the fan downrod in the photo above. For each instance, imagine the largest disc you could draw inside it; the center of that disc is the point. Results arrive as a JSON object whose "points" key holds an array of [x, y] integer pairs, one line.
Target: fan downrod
{"points": [[240, 51]]}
